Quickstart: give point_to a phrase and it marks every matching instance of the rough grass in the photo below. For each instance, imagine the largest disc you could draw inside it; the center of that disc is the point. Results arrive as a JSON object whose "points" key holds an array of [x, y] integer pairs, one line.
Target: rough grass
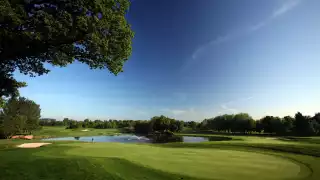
{"points": [[241, 158]]}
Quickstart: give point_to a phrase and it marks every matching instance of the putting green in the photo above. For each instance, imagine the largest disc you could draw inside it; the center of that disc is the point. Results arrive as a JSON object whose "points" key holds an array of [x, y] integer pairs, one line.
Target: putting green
{"points": [[198, 163]]}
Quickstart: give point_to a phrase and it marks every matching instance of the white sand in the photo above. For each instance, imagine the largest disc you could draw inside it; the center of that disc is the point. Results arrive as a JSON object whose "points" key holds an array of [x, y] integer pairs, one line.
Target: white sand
{"points": [[32, 145], [85, 130]]}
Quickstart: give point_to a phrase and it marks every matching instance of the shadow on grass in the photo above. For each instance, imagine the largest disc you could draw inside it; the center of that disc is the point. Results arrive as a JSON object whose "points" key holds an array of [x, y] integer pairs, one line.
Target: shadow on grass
{"points": [[301, 139], [220, 138], [296, 149]]}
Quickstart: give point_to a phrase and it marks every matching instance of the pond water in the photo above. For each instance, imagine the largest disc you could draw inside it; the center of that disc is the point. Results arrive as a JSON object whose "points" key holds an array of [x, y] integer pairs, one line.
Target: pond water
{"points": [[123, 138]]}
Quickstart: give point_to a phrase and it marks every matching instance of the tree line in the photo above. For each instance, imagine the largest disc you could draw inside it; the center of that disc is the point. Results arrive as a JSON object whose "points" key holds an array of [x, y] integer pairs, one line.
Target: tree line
{"points": [[110, 124], [22, 116], [298, 125]]}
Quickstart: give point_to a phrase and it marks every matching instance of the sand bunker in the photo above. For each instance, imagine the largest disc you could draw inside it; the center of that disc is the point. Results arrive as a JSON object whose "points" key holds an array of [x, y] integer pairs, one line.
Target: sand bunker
{"points": [[85, 130], [32, 145]]}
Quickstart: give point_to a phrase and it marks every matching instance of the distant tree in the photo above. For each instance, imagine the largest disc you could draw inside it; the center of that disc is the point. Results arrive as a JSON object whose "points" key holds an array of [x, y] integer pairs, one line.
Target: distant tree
{"points": [[193, 125], [113, 124], [266, 124], [210, 123], [65, 121], [98, 124], [58, 32], [228, 118], [86, 123], [259, 126], [73, 124], [142, 127], [243, 122], [288, 123], [180, 126], [316, 123], [303, 125], [277, 125], [50, 122], [160, 123], [316, 117], [250, 125], [217, 123], [315, 127], [176, 126]]}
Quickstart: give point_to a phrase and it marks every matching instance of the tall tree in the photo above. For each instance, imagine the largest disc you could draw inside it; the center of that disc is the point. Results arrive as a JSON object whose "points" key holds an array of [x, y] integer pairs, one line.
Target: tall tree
{"points": [[65, 121], [20, 116], [316, 117], [160, 123], [243, 123], [2, 133], [58, 32], [303, 125], [228, 118], [316, 123], [288, 122]]}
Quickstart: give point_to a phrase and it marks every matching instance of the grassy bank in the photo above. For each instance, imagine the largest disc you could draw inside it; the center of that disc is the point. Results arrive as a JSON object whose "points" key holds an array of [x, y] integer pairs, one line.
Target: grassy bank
{"points": [[242, 158]]}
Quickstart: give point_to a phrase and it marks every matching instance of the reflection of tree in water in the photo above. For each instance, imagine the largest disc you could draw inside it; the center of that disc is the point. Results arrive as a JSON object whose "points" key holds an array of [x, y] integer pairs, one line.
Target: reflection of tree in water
{"points": [[219, 138], [76, 138]]}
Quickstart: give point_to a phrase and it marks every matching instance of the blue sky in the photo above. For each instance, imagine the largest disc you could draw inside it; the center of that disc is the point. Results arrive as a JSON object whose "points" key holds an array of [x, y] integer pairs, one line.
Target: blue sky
{"points": [[195, 59]]}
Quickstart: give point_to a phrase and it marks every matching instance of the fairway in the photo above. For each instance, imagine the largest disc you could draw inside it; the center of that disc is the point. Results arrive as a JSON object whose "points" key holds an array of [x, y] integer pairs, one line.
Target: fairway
{"points": [[201, 163]]}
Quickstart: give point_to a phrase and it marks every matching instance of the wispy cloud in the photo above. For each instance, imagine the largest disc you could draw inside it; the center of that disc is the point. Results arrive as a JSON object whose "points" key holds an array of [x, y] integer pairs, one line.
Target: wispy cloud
{"points": [[279, 11], [226, 107], [257, 26], [219, 40], [246, 98], [284, 8], [287, 6], [176, 112], [187, 114]]}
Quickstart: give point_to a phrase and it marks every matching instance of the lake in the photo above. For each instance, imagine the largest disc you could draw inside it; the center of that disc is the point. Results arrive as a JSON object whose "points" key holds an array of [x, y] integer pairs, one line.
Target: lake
{"points": [[123, 138]]}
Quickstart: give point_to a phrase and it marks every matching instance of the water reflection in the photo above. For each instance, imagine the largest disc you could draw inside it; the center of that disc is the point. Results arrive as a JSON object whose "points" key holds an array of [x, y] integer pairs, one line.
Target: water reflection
{"points": [[128, 138], [116, 138], [194, 139]]}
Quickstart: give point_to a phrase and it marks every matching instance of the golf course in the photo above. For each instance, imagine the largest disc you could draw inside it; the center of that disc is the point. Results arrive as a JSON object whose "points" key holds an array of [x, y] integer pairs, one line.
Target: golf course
{"points": [[241, 157], [159, 90]]}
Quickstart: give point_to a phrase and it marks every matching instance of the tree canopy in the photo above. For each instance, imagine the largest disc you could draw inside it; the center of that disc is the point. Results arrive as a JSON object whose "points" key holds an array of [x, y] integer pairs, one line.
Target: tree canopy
{"points": [[58, 32]]}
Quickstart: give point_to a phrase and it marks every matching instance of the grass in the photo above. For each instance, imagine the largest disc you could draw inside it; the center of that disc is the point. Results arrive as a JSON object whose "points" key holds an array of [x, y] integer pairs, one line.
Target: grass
{"points": [[63, 132], [240, 158]]}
